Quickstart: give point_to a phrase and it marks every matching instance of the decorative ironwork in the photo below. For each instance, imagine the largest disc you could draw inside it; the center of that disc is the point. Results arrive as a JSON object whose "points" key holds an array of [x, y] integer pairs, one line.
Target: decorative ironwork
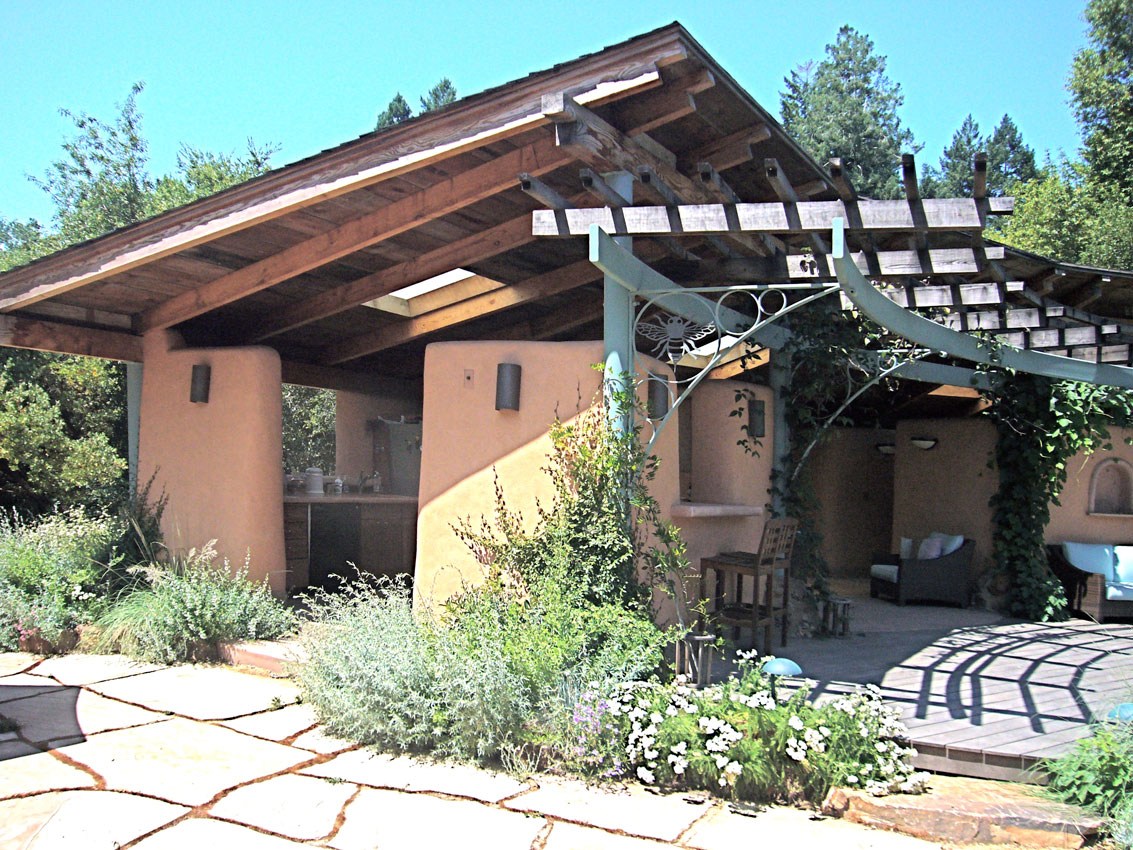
{"points": [[735, 314]]}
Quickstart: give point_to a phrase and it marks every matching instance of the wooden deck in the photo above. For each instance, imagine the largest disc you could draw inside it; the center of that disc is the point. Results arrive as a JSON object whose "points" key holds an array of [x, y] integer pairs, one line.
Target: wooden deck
{"points": [[988, 700]]}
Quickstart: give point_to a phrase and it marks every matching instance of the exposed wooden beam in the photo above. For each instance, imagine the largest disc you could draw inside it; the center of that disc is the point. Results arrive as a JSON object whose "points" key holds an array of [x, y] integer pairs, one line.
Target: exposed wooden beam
{"points": [[909, 177], [538, 190], [467, 251], [603, 191], [397, 333], [1088, 295], [813, 216], [330, 378], [729, 151], [426, 302], [739, 365], [785, 192], [581, 312], [662, 106], [18, 331], [617, 74], [979, 176], [719, 190], [445, 197], [841, 180]]}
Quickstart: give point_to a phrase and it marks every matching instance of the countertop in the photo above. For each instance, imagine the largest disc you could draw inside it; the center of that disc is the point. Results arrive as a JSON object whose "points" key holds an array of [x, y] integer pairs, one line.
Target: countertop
{"points": [[349, 499]]}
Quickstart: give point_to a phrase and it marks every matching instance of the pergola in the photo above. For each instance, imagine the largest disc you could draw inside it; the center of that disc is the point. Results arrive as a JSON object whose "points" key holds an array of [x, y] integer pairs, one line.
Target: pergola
{"points": [[336, 262]]}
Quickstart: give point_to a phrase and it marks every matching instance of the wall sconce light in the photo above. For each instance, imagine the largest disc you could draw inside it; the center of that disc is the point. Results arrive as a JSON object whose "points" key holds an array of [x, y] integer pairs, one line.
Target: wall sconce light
{"points": [[507, 386], [658, 404], [925, 443], [886, 448], [756, 418], [199, 388]]}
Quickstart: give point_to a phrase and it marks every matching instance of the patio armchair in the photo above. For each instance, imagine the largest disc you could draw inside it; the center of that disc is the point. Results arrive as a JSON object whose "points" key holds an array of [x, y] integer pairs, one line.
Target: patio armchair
{"points": [[940, 572], [1097, 577]]}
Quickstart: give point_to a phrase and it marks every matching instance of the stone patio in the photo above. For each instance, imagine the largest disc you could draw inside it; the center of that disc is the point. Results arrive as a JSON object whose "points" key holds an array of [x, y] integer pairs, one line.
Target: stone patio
{"points": [[111, 754]]}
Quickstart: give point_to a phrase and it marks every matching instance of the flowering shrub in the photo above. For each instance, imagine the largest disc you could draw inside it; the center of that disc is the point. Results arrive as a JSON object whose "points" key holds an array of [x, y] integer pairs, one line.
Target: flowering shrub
{"points": [[744, 739]]}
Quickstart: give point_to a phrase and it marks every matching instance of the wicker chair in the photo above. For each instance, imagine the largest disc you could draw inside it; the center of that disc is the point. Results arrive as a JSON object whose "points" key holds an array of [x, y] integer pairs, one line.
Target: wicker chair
{"points": [[945, 579]]}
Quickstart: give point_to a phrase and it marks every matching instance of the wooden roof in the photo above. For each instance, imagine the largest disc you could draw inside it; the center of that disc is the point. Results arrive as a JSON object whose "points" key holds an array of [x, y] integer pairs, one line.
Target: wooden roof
{"points": [[292, 258]]}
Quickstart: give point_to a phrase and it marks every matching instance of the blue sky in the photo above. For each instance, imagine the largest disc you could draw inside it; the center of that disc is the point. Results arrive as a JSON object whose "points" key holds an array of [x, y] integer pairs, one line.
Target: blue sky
{"points": [[308, 76]]}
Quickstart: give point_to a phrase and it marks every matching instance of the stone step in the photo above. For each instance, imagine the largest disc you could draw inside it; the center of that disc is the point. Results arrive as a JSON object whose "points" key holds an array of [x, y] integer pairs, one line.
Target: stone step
{"points": [[961, 810], [272, 656]]}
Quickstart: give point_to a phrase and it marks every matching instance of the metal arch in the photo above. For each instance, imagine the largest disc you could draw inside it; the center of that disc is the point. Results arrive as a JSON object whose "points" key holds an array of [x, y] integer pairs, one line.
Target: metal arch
{"points": [[930, 334]]}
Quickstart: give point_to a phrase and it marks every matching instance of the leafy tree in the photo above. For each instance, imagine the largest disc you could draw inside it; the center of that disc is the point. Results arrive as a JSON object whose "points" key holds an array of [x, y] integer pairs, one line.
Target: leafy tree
{"points": [[442, 94], [1010, 162], [1067, 216], [846, 106], [308, 428], [1101, 90]]}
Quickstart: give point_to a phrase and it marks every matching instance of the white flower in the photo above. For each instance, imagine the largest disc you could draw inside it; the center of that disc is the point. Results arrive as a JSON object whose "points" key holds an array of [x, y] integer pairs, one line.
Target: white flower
{"points": [[672, 711], [656, 718], [734, 768], [851, 780], [680, 747], [646, 775], [795, 722], [880, 746]]}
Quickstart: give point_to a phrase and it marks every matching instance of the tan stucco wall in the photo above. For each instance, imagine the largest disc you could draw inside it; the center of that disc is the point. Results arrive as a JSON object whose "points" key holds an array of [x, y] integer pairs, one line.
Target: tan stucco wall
{"points": [[220, 463], [946, 489], [854, 486], [1070, 521], [466, 442], [354, 443], [723, 472]]}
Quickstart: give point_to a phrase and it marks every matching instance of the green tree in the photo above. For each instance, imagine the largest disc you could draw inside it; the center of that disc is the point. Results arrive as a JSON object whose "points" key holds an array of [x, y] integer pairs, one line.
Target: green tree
{"points": [[1010, 162], [1101, 91], [442, 94], [308, 428], [846, 106]]}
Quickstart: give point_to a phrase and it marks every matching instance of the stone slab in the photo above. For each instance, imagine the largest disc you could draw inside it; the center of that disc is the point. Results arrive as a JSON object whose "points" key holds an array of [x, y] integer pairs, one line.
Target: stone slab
{"points": [[40, 772], [94, 820], [300, 807], [201, 692], [64, 716], [275, 725], [395, 821], [181, 760], [318, 741], [962, 810], [632, 810], [404, 773], [82, 669], [22, 817], [569, 836], [198, 833], [730, 827], [16, 662]]}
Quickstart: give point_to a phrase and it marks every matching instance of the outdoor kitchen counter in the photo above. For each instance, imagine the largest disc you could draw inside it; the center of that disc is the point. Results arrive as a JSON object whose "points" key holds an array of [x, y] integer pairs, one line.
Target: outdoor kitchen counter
{"points": [[324, 535]]}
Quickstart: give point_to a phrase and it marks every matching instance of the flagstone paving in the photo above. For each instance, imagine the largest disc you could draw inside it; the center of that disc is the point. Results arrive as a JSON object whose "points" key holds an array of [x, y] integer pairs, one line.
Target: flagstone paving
{"points": [[110, 754]]}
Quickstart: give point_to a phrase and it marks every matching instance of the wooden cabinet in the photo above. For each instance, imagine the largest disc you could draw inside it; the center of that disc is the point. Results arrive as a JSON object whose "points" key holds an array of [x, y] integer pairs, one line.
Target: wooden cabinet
{"points": [[297, 544]]}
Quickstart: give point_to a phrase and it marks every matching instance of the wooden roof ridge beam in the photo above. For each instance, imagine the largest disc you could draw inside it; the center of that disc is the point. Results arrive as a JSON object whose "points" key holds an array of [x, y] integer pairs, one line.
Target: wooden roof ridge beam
{"points": [[472, 249], [398, 333], [660, 106], [18, 331], [941, 214], [477, 183]]}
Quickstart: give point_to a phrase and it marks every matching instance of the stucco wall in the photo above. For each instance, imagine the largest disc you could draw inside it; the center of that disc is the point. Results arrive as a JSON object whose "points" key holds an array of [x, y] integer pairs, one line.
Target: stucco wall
{"points": [[947, 488], [466, 443], [1069, 521], [854, 486], [354, 443], [220, 463], [722, 472]]}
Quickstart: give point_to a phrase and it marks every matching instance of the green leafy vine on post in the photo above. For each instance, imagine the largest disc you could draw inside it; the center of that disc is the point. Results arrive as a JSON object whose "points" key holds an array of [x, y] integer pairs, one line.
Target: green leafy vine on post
{"points": [[1041, 425]]}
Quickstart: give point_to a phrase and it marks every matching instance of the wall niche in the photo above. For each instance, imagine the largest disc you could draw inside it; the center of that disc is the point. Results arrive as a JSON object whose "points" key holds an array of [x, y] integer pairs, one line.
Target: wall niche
{"points": [[1111, 488]]}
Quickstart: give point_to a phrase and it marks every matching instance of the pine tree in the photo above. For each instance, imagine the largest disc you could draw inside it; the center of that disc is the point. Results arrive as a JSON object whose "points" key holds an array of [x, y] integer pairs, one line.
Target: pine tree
{"points": [[442, 94], [1010, 162], [845, 106]]}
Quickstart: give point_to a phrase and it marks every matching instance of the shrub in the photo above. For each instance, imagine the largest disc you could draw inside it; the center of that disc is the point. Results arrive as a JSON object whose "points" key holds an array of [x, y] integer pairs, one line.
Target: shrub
{"points": [[53, 572], [186, 605], [744, 739], [1098, 773]]}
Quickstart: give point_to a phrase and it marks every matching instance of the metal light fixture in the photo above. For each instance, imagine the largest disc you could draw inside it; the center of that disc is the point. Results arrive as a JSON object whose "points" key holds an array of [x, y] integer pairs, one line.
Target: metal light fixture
{"points": [[924, 443], [199, 388], [507, 386], [658, 404], [886, 448]]}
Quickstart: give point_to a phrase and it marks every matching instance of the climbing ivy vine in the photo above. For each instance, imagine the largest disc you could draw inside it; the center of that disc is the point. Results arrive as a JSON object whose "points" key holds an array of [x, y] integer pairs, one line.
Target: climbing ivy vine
{"points": [[1041, 424]]}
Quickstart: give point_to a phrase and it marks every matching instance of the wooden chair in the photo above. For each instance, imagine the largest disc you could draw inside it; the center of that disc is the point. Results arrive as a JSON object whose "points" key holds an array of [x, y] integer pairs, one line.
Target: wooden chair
{"points": [[769, 603]]}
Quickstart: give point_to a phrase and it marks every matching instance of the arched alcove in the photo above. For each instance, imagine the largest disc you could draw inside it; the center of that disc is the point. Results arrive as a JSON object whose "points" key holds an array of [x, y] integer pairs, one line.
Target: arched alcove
{"points": [[1111, 488]]}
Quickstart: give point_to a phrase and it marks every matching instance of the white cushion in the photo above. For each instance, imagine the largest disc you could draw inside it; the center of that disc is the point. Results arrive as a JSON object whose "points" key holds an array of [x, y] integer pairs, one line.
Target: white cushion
{"points": [[930, 549], [885, 572], [1123, 565], [906, 550], [1091, 557], [1123, 592], [951, 542]]}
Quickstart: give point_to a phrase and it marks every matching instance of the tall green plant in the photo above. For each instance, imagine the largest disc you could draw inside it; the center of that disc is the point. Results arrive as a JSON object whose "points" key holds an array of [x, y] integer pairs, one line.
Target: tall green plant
{"points": [[1041, 424]]}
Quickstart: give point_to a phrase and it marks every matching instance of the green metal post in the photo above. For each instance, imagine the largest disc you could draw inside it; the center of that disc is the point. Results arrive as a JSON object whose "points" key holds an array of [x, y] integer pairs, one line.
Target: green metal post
{"points": [[617, 316]]}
